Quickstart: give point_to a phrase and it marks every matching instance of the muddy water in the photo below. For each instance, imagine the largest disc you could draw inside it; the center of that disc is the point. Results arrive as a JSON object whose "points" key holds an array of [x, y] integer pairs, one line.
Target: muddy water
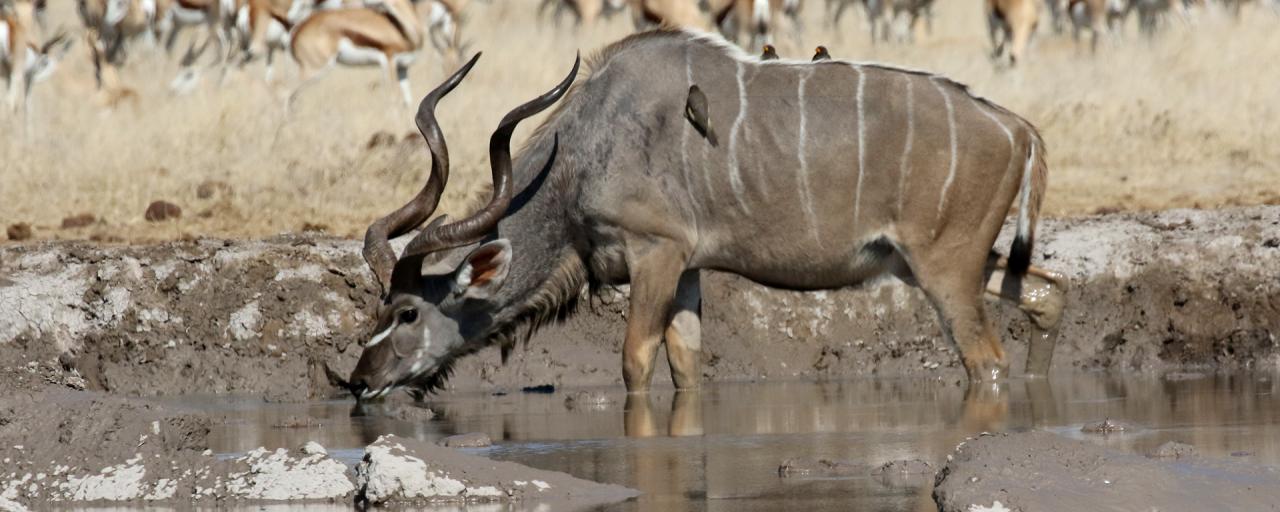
{"points": [[720, 449]]}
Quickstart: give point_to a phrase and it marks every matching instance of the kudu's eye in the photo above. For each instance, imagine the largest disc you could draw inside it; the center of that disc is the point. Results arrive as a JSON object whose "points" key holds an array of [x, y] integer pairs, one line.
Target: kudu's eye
{"points": [[408, 316]]}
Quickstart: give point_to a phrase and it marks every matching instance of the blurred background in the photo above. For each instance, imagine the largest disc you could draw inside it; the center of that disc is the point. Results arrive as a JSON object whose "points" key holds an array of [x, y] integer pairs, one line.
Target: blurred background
{"points": [[1183, 113]]}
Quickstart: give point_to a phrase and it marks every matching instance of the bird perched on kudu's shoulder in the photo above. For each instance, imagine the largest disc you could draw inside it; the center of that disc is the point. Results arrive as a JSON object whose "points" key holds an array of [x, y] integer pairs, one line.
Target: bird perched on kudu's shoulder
{"points": [[769, 53], [695, 110], [820, 53]]}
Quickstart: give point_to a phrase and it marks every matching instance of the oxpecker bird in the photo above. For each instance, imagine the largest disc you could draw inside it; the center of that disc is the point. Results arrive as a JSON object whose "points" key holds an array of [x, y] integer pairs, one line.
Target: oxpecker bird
{"points": [[695, 109], [769, 53], [820, 53]]}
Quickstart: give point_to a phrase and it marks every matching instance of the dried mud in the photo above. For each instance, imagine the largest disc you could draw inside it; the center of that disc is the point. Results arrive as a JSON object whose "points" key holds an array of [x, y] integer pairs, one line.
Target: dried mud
{"points": [[86, 326], [1045, 472], [1172, 291]]}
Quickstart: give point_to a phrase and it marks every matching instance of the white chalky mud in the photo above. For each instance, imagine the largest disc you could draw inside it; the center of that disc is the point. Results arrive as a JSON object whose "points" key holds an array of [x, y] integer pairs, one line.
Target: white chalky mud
{"points": [[258, 476], [403, 470]]}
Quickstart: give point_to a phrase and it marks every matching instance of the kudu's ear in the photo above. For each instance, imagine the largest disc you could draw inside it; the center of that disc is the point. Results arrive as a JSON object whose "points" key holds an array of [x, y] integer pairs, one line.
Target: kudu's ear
{"points": [[485, 269]]}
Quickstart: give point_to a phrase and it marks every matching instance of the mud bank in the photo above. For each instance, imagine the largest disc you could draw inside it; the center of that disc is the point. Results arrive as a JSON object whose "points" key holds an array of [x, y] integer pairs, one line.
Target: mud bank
{"points": [[1148, 291], [1043, 471], [65, 446]]}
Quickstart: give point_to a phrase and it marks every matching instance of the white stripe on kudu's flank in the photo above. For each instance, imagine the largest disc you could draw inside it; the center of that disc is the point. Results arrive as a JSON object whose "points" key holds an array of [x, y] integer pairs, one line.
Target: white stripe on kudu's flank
{"points": [[904, 168], [377, 338], [862, 143], [735, 179], [951, 130], [806, 196]]}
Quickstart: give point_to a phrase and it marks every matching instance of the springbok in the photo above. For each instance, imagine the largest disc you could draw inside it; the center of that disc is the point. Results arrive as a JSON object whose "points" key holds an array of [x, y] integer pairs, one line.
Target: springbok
{"points": [[389, 37], [585, 12], [217, 16], [118, 22], [111, 91], [757, 19], [263, 27], [23, 61], [884, 15], [825, 175], [1011, 22], [1090, 16], [673, 13]]}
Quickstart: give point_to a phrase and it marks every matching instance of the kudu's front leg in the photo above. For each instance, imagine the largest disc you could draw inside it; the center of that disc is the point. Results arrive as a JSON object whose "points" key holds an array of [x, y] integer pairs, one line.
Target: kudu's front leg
{"points": [[684, 333], [655, 269]]}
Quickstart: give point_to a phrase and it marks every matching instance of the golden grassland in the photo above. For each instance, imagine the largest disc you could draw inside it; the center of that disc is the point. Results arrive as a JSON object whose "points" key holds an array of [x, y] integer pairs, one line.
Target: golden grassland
{"points": [[1190, 119]]}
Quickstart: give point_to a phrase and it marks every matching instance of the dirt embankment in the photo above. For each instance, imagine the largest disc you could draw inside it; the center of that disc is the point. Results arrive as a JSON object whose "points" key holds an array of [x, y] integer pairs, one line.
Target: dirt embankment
{"points": [[1148, 291]]}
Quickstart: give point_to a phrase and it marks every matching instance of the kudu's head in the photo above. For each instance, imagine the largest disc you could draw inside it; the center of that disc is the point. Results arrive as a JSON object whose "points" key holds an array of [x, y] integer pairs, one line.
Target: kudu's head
{"points": [[439, 295]]}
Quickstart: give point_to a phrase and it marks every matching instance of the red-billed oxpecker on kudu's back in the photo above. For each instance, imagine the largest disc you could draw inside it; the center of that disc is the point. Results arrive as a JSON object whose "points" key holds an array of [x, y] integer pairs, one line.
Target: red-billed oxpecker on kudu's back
{"points": [[820, 175]]}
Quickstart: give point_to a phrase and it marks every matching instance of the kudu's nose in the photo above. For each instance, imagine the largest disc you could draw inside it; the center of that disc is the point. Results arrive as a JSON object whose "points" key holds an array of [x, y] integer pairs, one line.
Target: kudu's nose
{"points": [[358, 387]]}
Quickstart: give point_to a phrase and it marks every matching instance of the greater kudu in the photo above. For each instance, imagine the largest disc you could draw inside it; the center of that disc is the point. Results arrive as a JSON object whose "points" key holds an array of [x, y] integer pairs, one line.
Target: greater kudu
{"points": [[826, 175]]}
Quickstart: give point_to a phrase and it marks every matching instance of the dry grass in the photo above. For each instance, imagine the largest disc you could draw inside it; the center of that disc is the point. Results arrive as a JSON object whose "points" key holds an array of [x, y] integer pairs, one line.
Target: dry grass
{"points": [[1187, 120]]}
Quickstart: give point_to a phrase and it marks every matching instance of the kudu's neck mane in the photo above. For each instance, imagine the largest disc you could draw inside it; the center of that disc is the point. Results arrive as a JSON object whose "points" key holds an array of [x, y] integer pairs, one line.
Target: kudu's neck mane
{"points": [[547, 273]]}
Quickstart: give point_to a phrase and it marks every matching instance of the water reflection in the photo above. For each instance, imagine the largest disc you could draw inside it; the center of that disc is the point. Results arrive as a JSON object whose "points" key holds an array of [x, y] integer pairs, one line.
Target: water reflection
{"points": [[720, 448]]}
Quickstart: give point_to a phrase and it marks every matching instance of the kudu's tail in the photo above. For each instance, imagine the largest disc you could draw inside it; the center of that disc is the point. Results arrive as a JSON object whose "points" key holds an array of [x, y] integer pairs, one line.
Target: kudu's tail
{"points": [[1030, 194]]}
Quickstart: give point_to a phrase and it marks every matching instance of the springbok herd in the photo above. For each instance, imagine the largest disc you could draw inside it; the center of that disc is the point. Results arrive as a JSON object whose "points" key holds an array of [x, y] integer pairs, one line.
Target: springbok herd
{"points": [[392, 33]]}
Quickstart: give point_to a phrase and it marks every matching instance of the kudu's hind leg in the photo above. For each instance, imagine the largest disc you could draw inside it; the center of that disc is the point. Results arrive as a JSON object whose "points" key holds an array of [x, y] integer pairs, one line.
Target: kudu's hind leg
{"points": [[655, 273], [1041, 295], [684, 333], [956, 295]]}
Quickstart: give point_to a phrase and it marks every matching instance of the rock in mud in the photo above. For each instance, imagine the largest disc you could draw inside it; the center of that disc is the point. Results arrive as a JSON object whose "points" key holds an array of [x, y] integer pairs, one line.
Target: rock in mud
{"points": [[1042, 471], [816, 467], [589, 400], [469, 440], [905, 473], [1175, 450], [209, 188], [162, 210], [400, 470], [1106, 427], [19, 232], [78, 221]]}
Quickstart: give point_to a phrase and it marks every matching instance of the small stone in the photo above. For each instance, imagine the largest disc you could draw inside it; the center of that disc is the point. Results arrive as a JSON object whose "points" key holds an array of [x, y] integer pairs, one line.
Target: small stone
{"points": [[380, 139], [470, 440], [815, 467], [905, 473], [162, 210], [210, 188], [312, 227], [78, 221], [540, 389], [19, 232], [590, 400], [313, 448], [1104, 427], [1174, 450]]}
